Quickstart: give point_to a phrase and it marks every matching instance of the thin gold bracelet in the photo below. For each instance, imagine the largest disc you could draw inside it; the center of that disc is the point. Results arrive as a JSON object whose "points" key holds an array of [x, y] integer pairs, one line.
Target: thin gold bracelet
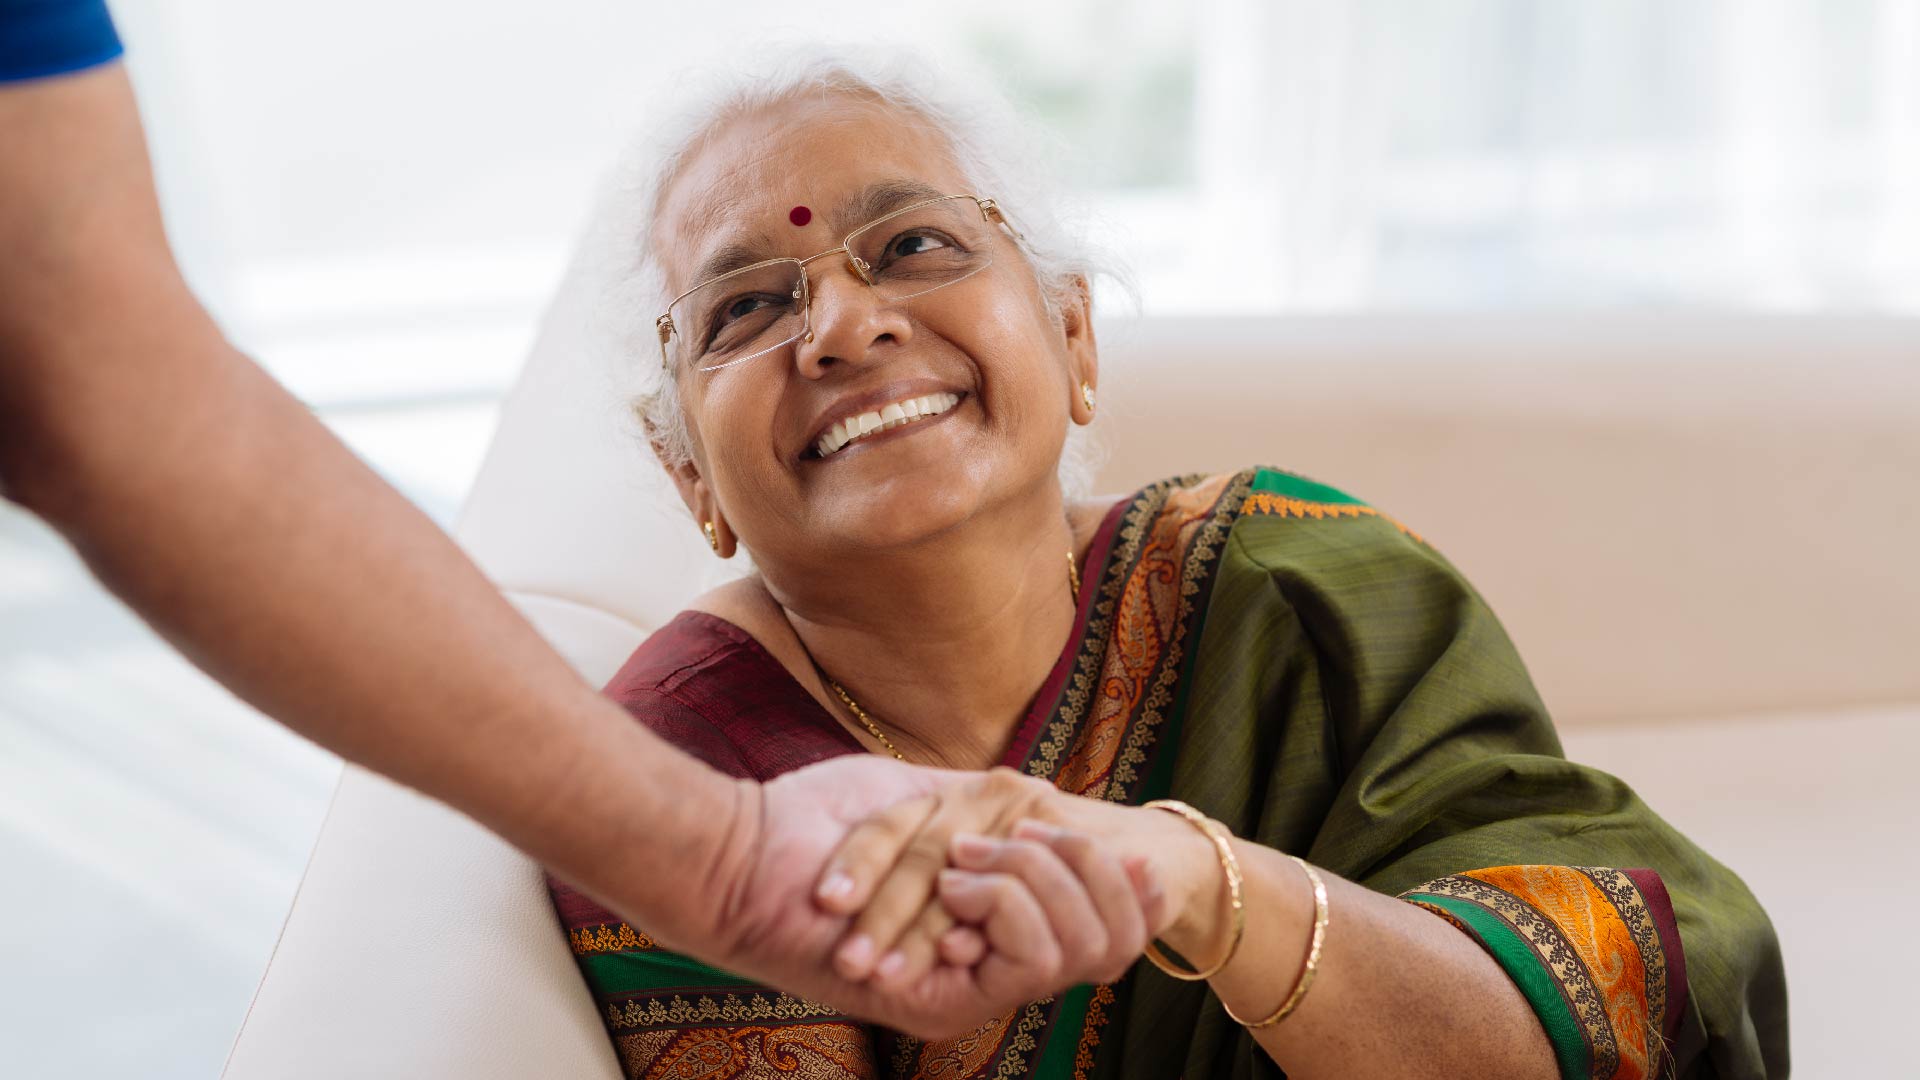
{"points": [[1307, 970], [1229, 865]]}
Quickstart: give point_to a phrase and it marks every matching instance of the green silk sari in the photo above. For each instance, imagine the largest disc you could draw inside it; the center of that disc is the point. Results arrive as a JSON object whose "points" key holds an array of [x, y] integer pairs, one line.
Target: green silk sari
{"points": [[1312, 674]]}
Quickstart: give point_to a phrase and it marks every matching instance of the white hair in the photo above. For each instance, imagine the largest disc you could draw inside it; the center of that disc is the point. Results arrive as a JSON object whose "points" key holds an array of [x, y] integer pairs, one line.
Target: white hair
{"points": [[999, 153]]}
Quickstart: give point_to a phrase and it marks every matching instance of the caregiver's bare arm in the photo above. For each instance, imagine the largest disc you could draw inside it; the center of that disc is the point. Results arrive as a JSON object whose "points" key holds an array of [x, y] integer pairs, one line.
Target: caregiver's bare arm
{"points": [[218, 508]]}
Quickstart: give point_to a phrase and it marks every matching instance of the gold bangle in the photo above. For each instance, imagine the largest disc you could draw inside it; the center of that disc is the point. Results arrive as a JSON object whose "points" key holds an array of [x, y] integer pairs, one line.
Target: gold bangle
{"points": [[1229, 865], [1308, 969]]}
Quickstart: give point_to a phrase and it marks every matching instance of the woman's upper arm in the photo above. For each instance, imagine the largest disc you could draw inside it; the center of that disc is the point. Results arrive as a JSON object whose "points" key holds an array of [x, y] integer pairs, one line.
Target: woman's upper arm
{"points": [[1443, 776]]}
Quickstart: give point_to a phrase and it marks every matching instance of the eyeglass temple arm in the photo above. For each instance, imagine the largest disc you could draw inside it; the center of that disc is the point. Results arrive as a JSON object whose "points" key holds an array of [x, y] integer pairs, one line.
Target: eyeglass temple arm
{"points": [[990, 210]]}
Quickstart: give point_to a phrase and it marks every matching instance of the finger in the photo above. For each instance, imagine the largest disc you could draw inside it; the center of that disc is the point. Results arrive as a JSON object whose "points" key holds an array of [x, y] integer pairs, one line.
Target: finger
{"points": [[962, 947], [1154, 905], [991, 801], [1111, 892], [917, 950], [1071, 913], [866, 854], [899, 899], [1023, 959]]}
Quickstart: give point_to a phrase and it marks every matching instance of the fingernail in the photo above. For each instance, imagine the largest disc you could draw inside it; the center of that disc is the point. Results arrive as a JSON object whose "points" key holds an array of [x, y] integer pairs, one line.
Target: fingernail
{"points": [[857, 953], [974, 848], [836, 885], [954, 879], [891, 964]]}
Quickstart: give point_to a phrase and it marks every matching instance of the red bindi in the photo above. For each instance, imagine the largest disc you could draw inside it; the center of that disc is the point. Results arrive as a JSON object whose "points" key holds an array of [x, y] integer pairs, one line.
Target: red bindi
{"points": [[799, 215]]}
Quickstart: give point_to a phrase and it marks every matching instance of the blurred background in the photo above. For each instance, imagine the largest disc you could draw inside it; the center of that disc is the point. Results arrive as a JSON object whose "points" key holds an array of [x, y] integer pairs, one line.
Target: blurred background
{"points": [[377, 199]]}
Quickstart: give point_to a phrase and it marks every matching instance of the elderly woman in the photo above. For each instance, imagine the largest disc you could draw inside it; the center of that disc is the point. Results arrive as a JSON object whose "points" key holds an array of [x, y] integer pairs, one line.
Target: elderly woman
{"points": [[871, 348]]}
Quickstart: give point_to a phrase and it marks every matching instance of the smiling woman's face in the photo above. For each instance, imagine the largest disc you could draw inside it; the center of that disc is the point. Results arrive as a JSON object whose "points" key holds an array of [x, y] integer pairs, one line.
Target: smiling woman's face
{"points": [[984, 347]]}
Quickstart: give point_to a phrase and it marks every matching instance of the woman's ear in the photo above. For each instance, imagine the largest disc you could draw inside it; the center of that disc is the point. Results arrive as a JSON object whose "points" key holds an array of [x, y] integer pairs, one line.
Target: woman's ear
{"points": [[1083, 352], [698, 496]]}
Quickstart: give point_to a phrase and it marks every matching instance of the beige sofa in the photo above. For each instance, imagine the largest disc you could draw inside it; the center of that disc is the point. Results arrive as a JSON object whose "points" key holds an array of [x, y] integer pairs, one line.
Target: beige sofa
{"points": [[1701, 532]]}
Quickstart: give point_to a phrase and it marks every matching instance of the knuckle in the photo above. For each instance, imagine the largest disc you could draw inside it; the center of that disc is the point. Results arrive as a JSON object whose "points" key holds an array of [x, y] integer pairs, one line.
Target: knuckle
{"points": [[906, 817], [935, 921], [1005, 785], [927, 847], [1079, 848], [1051, 963], [1094, 946]]}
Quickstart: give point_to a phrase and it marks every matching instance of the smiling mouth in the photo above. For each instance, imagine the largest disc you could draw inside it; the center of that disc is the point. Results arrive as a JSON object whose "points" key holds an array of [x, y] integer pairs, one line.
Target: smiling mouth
{"points": [[895, 414]]}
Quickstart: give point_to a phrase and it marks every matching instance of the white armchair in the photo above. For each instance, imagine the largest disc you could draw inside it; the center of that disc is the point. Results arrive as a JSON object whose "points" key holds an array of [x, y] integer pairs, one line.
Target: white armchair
{"points": [[1685, 525]]}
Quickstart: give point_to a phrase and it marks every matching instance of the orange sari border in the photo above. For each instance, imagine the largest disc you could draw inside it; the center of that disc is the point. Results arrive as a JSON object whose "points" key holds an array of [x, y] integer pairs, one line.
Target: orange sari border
{"points": [[1595, 932]]}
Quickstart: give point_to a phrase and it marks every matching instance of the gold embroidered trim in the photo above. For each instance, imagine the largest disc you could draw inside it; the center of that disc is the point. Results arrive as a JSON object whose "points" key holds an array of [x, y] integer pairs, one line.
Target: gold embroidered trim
{"points": [[1090, 1032], [1128, 536], [606, 938], [1554, 950], [1014, 1063], [1202, 554], [1625, 896], [805, 1052], [911, 1056], [1266, 502], [729, 1009], [905, 1048], [1135, 530]]}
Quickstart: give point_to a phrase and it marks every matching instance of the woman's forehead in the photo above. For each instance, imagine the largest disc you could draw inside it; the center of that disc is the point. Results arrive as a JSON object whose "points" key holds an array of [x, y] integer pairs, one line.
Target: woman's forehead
{"points": [[847, 162]]}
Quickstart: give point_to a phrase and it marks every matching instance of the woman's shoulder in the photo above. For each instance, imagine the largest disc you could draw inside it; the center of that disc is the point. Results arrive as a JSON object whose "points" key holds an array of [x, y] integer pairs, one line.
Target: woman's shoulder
{"points": [[665, 685], [1281, 520], [1278, 493], [709, 686]]}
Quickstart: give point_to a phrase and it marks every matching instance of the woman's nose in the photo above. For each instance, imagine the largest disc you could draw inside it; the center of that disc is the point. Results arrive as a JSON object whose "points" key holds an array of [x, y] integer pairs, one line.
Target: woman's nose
{"points": [[848, 320]]}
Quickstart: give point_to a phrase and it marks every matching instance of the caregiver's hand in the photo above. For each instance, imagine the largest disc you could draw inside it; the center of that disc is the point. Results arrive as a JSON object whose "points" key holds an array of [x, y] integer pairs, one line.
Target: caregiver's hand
{"points": [[904, 873], [1057, 916]]}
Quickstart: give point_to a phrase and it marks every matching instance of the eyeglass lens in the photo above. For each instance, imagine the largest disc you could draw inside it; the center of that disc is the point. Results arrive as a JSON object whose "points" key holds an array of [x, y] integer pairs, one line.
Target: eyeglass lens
{"points": [[749, 313]]}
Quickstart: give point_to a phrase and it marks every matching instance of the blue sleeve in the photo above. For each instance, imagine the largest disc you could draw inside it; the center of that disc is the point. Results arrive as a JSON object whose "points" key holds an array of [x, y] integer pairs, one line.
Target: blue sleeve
{"points": [[52, 37]]}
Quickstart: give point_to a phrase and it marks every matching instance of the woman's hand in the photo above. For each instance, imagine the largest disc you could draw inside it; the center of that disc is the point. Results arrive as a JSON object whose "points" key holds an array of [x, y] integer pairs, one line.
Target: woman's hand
{"points": [[910, 873], [1029, 919]]}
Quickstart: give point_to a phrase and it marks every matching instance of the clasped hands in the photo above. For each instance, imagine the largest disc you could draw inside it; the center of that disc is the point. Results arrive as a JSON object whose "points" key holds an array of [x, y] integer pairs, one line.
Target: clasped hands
{"points": [[930, 901]]}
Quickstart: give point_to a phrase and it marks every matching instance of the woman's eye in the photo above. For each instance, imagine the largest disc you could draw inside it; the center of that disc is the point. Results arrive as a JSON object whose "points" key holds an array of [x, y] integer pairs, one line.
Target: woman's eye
{"points": [[738, 316], [915, 244], [743, 307]]}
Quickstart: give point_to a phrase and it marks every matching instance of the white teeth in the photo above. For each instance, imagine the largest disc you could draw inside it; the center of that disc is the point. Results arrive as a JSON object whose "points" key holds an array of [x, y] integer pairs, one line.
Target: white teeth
{"points": [[888, 416]]}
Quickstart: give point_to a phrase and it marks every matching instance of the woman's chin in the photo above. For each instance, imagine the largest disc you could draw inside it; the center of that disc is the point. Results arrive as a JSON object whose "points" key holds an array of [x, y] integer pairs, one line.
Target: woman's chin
{"points": [[882, 509]]}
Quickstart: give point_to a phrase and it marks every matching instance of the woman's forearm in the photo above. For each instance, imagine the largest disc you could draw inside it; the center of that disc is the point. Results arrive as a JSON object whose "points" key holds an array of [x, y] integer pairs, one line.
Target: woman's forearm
{"points": [[1398, 992]]}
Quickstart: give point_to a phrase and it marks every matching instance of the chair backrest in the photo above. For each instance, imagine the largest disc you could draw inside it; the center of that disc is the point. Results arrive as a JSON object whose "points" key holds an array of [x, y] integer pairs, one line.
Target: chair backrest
{"points": [[1664, 511], [1673, 517]]}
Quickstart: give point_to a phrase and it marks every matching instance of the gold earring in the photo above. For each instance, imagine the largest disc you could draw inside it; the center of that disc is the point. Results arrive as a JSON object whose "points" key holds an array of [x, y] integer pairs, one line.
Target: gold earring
{"points": [[713, 536], [1086, 395]]}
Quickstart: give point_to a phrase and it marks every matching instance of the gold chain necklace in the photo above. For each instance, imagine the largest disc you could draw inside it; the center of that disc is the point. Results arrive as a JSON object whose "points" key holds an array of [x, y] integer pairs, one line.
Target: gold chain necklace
{"points": [[866, 718]]}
